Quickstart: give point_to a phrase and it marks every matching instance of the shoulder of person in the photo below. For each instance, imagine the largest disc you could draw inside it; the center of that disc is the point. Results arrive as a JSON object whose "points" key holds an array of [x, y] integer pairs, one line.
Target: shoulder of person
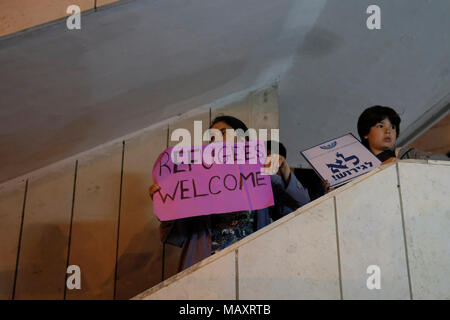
{"points": [[413, 153], [276, 179], [405, 152]]}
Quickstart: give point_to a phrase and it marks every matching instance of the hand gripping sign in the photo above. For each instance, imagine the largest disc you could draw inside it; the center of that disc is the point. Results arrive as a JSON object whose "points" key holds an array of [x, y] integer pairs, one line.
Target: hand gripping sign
{"points": [[341, 160], [212, 179]]}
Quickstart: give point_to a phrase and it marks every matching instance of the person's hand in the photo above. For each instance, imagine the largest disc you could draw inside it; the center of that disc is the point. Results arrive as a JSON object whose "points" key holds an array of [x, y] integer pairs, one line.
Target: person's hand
{"points": [[326, 186], [285, 170], [153, 189], [272, 164], [277, 164]]}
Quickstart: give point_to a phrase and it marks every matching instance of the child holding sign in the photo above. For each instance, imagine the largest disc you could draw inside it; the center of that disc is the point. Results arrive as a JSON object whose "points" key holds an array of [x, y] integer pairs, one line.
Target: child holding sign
{"points": [[379, 128], [201, 236]]}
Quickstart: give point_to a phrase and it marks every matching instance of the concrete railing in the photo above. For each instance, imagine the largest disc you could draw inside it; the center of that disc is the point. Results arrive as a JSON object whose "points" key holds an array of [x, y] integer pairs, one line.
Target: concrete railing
{"points": [[391, 226]]}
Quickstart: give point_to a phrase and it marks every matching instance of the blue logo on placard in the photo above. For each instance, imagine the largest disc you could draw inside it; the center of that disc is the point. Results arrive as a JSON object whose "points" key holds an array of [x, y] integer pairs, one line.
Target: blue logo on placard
{"points": [[329, 146]]}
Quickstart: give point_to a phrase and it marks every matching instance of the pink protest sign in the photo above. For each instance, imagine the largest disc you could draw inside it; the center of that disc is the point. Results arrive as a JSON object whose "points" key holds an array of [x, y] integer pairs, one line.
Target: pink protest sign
{"points": [[220, 178]]}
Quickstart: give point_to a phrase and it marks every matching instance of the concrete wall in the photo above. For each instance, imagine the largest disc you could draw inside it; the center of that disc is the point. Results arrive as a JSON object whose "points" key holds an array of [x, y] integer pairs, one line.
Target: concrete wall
{"points": [[93, 210], [436, 139], [397, 218], [144, 61]]}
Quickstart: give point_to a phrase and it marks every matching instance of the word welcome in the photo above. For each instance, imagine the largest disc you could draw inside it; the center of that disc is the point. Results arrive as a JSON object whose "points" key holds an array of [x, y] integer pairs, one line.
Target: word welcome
{"points": [[188, 188]]}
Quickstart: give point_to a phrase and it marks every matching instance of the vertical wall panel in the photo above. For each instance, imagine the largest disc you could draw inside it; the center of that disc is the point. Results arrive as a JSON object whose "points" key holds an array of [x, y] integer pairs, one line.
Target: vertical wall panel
{"points": [[94, 227], [172, 253], [371, 233], [264, 109], [16, 15], [11, 205], [426, 206], [43, 253], [214, 280], [296, 260], [140, 247], [239, 109]]}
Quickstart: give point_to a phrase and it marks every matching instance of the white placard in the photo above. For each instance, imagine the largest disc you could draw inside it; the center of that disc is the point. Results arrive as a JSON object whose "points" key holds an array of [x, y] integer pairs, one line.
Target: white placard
{"points": [[341, 160]]}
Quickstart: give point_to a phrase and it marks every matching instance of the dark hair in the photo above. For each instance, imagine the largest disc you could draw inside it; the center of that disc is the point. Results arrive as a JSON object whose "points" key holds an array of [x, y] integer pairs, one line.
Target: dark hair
{"points": [[281, 148], [233, 122], [371, 116]]}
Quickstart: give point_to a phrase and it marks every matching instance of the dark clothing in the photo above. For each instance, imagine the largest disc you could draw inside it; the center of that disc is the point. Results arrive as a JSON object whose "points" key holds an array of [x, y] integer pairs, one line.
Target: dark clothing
{"points": [[229, 228], [197, 234], [386, 155]]}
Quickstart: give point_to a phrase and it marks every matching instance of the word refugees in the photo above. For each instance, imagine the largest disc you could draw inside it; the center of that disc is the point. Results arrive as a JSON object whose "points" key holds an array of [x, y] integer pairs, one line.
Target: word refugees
{"points": [[182, 152], [220, 153]]}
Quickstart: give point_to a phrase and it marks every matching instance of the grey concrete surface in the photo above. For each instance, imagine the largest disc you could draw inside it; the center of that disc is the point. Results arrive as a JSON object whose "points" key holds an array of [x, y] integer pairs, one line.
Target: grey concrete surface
{"points": [[132, 65]]}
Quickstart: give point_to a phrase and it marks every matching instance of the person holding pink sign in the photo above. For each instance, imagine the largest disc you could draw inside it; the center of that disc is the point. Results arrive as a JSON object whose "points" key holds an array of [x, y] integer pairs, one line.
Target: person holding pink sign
{"points": [[204, 235]]}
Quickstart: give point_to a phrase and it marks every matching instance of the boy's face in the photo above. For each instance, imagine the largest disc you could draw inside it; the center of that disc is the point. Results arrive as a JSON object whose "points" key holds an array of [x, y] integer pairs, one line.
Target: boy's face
{"points": [[382, 136]]}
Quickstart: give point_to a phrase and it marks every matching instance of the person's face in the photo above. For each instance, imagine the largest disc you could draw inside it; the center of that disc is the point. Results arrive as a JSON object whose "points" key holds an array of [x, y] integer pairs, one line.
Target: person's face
{"points": [[222, 127], [382, 136]]}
